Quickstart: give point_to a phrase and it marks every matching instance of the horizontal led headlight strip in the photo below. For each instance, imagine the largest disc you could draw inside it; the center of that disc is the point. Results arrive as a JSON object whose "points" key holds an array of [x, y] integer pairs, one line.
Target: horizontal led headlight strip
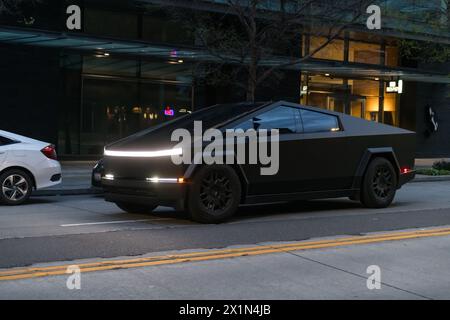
{"points": [[165, 180], [144, 154]]}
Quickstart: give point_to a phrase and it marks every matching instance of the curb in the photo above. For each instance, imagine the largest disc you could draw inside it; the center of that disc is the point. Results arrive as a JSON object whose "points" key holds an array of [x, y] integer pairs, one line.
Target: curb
{"points": [[422, 178]]}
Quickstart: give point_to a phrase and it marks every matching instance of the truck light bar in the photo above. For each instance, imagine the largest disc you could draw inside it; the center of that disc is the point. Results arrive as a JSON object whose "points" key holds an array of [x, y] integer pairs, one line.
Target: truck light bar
{"points": [[165, 180], [144, 154]]}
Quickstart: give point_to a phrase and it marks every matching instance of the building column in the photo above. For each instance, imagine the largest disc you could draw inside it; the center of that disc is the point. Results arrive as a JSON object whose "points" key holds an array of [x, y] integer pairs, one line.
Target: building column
{"points": [[381, 84], [381, 102]]}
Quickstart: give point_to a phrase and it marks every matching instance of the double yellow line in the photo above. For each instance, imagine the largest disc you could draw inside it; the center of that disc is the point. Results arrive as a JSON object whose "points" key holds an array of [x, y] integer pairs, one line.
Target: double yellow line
{"points": [[27, 273]]}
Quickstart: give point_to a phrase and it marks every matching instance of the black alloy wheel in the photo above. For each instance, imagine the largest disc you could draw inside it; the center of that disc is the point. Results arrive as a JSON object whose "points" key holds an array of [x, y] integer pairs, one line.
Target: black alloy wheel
{"points": [[215, 192], [214, 195], [383, 181], [380, 184]]}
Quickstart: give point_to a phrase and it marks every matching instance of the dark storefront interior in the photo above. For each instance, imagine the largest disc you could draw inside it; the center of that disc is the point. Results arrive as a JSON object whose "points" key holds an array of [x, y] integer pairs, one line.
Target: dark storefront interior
{"points": [[137, 70], [116, 98]]}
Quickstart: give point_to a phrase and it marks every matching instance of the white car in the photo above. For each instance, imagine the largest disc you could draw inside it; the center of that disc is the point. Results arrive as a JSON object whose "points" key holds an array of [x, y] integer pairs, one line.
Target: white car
{"points": [[25, 165]]}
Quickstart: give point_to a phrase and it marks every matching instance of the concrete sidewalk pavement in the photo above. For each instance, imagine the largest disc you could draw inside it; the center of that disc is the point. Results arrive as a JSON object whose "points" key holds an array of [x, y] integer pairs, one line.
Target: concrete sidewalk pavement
{"points": [[77, 178], [402, 271], [428, 163]]}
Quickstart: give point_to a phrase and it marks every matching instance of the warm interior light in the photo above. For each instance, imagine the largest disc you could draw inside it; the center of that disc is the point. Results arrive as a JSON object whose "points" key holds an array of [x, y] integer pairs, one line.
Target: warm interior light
{"points": [[144, 154], [180, 180]]}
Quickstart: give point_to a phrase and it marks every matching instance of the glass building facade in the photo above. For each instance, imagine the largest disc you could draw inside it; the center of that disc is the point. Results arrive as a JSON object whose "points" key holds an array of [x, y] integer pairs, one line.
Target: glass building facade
{"points": [[128, 69]]}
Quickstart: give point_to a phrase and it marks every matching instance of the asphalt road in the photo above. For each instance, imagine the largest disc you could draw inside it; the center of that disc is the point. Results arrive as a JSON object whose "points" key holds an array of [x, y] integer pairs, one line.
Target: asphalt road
{"points": [[82, 227], [54, 232]]}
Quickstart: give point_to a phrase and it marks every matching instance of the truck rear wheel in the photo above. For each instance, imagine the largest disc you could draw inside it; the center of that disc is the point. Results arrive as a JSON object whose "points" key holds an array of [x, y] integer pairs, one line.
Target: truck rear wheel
{"points": [[379, 185]]}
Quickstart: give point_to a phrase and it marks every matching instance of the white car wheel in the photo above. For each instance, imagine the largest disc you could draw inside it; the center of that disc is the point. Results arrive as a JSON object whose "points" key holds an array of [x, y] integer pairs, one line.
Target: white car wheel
{"points": [[16, 187]]}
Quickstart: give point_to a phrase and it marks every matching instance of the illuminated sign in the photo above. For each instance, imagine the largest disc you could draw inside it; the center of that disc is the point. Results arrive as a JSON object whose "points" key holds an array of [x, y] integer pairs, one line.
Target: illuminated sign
{"points": [[169, 112], [394, 87], [304, 90]]}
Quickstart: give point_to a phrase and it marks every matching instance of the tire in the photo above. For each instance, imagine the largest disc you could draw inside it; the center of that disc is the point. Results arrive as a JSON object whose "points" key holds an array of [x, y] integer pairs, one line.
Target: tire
{"points": [[136, 208], [214, 195], [379, 184], [15, 187]]}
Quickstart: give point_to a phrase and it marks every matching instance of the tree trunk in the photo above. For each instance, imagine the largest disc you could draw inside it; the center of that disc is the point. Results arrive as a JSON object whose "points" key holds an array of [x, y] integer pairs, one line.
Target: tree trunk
{"points": [[251, 90]]}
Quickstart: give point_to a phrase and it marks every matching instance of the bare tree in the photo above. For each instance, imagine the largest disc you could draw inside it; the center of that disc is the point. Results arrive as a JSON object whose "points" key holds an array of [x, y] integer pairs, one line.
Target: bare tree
{"points": [[14, 6], [435, 18], [259, 37]]}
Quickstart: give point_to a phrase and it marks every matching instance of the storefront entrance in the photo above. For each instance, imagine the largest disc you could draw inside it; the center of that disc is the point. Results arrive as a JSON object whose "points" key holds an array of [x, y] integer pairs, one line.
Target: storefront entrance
{"points": [[351, 105], [356, 97]]}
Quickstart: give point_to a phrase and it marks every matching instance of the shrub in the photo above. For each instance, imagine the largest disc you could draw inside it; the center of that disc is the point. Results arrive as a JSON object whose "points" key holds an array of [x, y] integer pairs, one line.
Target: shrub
{"points": [[433, 172], [442, 165]]}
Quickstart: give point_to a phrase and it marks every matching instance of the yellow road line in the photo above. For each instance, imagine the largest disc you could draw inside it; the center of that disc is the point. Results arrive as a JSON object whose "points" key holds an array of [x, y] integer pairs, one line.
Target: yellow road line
{"points": [[27, 273]]}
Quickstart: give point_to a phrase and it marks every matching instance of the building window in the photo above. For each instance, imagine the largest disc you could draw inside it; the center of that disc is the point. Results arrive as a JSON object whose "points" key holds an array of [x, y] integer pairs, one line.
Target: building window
{"points": [[162, 28], [113, 24], [332, 51], [113, 109], [109, 66], [356, 97], [364, 52], [392, 56], [325, 92], [368, 106]]}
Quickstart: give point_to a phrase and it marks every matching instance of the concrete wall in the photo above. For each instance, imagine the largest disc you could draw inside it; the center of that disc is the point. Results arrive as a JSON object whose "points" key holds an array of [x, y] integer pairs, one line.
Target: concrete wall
{"points": [[414, 109], [433, 144]]}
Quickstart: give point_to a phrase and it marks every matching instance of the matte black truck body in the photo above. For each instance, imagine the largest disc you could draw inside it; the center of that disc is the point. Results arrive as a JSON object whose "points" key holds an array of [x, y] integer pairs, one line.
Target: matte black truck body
{"points": [[312, 165]]}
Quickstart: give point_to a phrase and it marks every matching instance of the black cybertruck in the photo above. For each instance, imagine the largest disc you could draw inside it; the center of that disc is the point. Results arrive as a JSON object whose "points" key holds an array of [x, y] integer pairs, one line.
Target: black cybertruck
{"points": [[321, 154]]}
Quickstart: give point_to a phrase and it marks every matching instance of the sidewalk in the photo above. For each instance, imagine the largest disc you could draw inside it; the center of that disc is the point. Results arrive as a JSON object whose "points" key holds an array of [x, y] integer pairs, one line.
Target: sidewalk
{"points": [[77, 178], [415, 269], [428, 163]]}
